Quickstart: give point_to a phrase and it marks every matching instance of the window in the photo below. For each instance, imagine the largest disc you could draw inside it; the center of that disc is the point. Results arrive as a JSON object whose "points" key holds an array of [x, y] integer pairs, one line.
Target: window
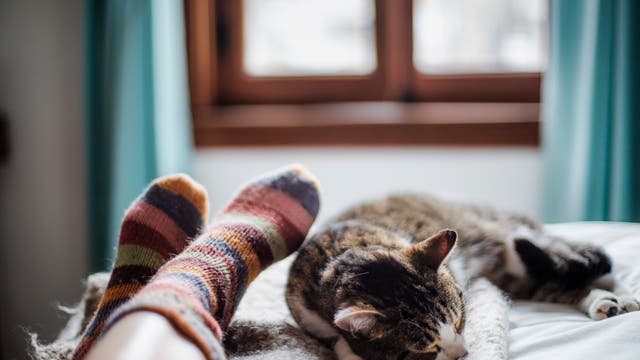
{"points": [[389, 71]]}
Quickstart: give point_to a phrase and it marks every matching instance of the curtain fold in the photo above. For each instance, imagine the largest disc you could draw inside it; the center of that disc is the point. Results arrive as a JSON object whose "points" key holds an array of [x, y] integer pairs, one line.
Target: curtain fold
{"points": [[591, 112], [138, 124]]}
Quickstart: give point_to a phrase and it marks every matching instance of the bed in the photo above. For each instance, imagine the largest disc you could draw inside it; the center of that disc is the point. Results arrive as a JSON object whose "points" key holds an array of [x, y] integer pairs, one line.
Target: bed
{"points": [[264, 329], [536, 331]]}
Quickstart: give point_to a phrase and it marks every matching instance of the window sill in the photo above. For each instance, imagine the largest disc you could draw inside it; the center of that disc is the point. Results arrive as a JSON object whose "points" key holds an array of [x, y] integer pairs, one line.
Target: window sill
{"points": [[370, 123]]}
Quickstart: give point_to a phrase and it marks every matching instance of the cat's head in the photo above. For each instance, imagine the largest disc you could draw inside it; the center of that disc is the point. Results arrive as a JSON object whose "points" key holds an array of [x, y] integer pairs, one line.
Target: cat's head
{"points": [[400, 304]]}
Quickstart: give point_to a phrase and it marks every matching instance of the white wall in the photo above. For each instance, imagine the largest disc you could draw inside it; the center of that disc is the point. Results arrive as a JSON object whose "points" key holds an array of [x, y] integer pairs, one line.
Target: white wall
{"points": [[42, 193], [504, 177]]}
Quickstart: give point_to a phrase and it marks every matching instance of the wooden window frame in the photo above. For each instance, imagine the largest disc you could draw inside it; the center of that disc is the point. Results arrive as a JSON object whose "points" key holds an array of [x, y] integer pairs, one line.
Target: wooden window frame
{"points": [[231, 108]]}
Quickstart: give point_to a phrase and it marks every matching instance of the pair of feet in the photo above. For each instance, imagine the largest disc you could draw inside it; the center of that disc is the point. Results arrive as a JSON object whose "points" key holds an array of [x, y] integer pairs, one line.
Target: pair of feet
{"points": [[196, 285]]}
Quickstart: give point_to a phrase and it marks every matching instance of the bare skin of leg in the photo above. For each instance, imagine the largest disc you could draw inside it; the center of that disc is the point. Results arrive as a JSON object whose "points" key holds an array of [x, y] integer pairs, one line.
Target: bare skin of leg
{"points": [[144, 335]]}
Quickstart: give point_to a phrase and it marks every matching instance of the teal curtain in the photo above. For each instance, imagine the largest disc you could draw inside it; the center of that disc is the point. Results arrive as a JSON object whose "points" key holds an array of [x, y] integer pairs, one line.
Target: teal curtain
{"points": [[137, 110], [591, 111]]}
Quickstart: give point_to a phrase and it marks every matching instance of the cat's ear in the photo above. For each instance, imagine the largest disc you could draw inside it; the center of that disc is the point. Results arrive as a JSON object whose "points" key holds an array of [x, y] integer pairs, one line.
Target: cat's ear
{"points": [[358, 320], [434, 250]]}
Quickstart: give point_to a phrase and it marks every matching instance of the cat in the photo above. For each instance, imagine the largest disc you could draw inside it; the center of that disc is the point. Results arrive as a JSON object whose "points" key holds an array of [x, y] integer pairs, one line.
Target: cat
{"points": [[386, 279]]}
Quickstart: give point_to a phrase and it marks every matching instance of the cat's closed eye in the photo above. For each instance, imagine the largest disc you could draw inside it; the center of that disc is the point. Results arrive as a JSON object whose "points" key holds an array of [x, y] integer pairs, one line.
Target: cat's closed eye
{"points": [[458, 325], [434, 348]]}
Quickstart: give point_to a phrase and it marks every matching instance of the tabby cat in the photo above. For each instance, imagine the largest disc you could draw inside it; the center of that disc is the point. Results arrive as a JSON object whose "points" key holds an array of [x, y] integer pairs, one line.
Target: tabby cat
{"points": [[385, 280]]}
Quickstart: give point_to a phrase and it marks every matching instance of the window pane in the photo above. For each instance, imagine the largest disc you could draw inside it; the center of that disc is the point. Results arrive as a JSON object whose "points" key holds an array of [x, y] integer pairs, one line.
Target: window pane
{"points": [[476, 36], [309, 37]]}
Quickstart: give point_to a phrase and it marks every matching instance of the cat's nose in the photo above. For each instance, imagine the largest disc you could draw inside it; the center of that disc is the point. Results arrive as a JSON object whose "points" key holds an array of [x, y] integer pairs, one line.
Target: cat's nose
{"points": [[456, 352]]}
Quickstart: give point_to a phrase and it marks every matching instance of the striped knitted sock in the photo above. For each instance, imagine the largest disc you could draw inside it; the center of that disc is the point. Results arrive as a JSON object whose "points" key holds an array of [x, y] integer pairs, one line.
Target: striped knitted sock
{"points": [[198, 290], [155, 227]]}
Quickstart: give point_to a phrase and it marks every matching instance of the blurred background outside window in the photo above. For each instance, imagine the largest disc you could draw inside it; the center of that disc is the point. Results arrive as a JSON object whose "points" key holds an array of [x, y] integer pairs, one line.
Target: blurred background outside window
{"points": [[338, 37]]}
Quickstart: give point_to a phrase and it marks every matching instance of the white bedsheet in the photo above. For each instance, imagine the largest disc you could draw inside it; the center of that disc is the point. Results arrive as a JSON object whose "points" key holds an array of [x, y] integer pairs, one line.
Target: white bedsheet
{"points": [[538, 331], [541, 331]]}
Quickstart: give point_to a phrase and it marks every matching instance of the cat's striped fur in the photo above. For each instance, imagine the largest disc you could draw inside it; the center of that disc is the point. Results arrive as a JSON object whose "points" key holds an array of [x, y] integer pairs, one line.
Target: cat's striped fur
{"points": [[371, 286]]}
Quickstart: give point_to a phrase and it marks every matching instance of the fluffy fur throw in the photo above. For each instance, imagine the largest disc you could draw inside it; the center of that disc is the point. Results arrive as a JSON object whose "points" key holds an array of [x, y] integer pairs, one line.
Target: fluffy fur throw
{"points": [[263, 328]]}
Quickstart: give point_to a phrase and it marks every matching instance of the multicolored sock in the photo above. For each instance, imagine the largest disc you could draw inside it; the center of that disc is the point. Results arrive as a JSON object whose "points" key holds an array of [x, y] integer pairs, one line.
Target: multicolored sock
{"points": [[198, 290], [156, 226]]}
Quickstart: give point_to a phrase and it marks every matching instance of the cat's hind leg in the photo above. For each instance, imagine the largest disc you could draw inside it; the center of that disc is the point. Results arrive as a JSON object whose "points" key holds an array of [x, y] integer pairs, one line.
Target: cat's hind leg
{"points": [[597, 303], [574, 274]]}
